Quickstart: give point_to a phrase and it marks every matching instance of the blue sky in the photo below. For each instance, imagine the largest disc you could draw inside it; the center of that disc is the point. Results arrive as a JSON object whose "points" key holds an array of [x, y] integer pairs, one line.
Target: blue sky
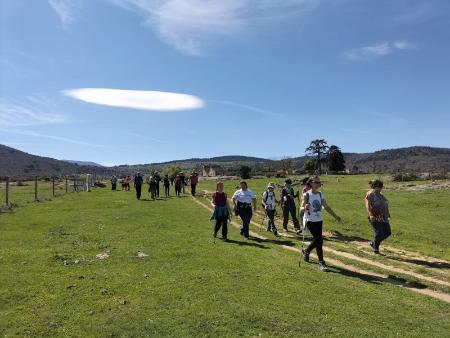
{"points": [[137, 81]]}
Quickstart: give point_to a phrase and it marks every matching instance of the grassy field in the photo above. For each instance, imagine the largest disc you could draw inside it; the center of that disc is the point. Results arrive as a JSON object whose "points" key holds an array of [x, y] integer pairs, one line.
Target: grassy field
{"points": [[51, 283], [420, 220]]}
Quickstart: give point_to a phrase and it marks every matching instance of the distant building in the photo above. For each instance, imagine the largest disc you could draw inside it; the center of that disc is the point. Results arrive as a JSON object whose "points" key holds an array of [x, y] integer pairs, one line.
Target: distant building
{"points": [[212, 170]]}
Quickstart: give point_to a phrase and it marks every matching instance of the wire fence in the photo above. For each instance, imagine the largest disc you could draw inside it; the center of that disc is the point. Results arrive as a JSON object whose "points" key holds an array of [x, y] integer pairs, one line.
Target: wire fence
{"points": [[15, 192]]}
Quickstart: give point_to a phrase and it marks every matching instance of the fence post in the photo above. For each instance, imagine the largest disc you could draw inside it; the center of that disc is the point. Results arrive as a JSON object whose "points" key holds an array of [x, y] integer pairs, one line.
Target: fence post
{"points": [[35, 188], [7, 191], [66, 185], [53, 186]]}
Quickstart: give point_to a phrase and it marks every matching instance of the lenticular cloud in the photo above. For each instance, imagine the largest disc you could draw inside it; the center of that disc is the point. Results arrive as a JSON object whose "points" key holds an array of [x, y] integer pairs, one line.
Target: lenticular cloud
{"points": [[136, 99]]}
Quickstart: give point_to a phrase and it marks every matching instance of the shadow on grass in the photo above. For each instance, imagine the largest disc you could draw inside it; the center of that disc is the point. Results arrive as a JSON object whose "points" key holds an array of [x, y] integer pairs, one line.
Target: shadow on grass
{"points": [[153, 200], [273, 241], [337, 236], [391, 279], [436, 265], [247, 243]]}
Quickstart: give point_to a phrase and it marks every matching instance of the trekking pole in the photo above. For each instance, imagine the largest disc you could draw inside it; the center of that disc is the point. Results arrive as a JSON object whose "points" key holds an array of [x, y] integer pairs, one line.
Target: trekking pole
{"points": [[263, 219]]}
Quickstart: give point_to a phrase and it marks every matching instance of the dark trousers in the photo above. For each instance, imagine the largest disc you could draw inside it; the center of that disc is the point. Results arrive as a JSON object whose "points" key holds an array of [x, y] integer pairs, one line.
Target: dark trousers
{"points": [[138, 191], [271, 216], [157, 190], [113, 186], [290, 208], [166, 190], [245, 213], [193, 186], [382, 230], [177, 190], [221, 221], [315, 228]]}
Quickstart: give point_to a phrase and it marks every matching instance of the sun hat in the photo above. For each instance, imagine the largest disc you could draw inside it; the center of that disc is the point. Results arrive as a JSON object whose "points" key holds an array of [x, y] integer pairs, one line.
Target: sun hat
{"points": [[271, 185]]}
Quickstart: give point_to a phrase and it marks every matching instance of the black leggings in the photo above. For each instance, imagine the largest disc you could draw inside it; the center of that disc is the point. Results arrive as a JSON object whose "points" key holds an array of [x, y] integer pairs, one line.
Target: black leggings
{"points": [[221, 221], [166, 190], [316, 231]]}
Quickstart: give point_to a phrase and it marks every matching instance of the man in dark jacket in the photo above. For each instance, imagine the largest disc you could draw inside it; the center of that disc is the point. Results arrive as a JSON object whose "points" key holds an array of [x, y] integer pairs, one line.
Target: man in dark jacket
{"points": [[138, 180], [288, 197], [157, 179]]}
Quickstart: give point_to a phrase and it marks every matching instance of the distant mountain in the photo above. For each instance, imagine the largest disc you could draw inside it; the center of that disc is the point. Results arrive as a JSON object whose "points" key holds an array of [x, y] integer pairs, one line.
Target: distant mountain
{"points": [[420, 159], [16, 163], [84, 163]]}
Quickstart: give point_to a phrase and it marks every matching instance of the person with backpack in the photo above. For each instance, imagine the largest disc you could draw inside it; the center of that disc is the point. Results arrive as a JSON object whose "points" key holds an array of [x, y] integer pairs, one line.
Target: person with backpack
{"points": [[222, 211], [313, 202], [288, 197], [269, 202], [157, 179], [152, 187], [242, 205], [378, 214], [166, 183], [138, 180]]}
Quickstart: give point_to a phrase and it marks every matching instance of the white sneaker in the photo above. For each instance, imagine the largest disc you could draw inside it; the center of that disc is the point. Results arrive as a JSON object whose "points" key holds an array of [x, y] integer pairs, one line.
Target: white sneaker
{"points": [[323, 266]]}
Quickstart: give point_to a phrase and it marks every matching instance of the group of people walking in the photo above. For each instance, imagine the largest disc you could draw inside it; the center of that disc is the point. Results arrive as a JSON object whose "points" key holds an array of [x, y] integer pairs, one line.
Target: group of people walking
{"points": [[244, 204], [312, 204], [179, 182]]}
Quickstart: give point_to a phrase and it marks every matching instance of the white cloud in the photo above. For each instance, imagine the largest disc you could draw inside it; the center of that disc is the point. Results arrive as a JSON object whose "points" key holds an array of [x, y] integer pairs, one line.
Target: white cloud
{"points": [[136, 99], [377, 50], [65, 9], [17, 115], [191, 25]]}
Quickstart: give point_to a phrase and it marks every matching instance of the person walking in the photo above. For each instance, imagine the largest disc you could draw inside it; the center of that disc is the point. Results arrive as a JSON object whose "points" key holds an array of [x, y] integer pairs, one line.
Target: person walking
{"points": [[183, 180], [269, 203], [312, 204], [378, 214], [193, 178], [152, 184], [166, 183], [222, 211], [157, 179], [114, 183], [288, 197], [242, 204], [138, 180], [178, 185]]}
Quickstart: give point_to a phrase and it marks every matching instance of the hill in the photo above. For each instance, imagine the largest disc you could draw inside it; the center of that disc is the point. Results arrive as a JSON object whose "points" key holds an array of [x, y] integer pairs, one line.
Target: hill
{"points": [[18, 164]]}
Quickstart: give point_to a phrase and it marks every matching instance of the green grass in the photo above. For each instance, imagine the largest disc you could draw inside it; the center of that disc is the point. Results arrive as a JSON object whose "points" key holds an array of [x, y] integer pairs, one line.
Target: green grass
{"points": [[420, 220], [187, 286]]}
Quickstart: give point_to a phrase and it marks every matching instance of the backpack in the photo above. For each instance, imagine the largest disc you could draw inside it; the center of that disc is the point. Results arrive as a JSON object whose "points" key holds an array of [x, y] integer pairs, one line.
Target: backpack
{"points": [[265, 198]]}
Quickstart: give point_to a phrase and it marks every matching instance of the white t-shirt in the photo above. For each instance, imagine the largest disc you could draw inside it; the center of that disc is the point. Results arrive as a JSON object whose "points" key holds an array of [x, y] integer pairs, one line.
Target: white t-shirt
{"points": [[244, 196], [314, 214], [269, 199]]}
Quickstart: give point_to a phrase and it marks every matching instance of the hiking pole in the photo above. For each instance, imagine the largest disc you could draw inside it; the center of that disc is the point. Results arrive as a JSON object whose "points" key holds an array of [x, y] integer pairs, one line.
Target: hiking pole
{"points": [[262, 222]]}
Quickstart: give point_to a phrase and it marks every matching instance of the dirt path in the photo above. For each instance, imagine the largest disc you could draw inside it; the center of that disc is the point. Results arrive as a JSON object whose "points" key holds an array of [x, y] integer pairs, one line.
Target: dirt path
{"points": [[361, 273], [405, 257]]}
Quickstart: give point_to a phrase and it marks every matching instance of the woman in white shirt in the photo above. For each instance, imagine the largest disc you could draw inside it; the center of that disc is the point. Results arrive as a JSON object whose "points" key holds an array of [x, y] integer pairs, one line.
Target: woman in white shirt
{"points": [[242, 203], [312, 204]]}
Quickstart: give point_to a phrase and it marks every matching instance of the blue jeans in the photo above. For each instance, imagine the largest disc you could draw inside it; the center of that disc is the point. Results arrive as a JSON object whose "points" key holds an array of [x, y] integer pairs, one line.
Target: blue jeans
{"points": [[382, 230]]}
